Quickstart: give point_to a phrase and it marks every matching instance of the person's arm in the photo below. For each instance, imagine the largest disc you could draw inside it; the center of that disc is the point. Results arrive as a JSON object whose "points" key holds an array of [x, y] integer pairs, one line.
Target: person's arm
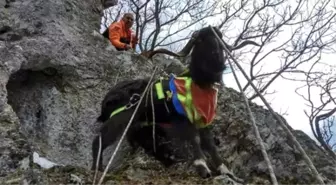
{"points": [[114, 36], [134, 41]]}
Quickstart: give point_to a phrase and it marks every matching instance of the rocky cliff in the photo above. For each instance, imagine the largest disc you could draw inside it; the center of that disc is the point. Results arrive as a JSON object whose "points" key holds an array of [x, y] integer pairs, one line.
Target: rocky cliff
{"points": [[55, 70]]}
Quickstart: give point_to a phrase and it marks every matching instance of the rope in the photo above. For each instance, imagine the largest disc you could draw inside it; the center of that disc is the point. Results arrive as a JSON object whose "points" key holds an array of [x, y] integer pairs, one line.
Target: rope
{"points": [[282, 124], [153, 114], [150, 93], [150, 64], [256, 131], [152, 101], [127, 127], [98, 158]]}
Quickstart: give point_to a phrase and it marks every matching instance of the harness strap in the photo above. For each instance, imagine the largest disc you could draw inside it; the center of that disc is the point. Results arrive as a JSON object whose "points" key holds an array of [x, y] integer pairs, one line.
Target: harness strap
{"points": [[134, 100], [118, 110], [160, 92]]}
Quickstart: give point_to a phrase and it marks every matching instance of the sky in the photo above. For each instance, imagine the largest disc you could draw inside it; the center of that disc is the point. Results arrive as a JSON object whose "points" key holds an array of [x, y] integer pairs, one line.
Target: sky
{"points": [[285, 100]]}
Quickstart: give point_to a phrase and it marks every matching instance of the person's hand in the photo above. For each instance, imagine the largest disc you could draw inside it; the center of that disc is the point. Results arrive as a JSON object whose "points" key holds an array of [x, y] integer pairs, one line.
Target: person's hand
{"points": [[135, 39], [127, 47]]}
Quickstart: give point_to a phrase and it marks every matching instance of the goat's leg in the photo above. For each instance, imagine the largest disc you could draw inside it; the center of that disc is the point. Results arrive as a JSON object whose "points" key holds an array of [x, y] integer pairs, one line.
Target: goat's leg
{"points": [[95, 152], [208, 144], [188, 132], [132, 141], [110, 131], [107, 138], [108, 134], [199, 158]]}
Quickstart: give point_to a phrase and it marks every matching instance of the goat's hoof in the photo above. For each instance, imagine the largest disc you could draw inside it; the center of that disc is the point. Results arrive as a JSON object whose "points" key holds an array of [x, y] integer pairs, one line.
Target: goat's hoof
{"points": [[202, 168], [223, 170], [203, 172], [224, 179]]}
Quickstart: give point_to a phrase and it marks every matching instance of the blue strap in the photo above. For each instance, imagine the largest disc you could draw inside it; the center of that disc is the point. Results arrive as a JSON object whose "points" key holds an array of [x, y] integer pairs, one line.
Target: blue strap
{"points": [[177, 104]]}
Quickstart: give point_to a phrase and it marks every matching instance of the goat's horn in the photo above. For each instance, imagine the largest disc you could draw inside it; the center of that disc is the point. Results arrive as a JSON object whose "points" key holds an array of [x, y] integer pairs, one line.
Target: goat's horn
{"points": [[164, 51], [187, 48], [247, 42], [184, 52]]}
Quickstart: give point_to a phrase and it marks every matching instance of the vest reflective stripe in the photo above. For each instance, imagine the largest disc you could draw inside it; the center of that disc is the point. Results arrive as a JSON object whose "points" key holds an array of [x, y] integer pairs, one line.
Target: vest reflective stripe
{"points": [[159, 90], [187, 99], [118, 111]]}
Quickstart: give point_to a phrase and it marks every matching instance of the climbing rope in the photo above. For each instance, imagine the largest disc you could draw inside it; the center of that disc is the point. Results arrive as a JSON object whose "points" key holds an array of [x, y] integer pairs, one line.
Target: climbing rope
{"points": [[127, 127], [163, 72], [282, 124], [98, 158], [153, 114], [150, 93], [256, 131]]}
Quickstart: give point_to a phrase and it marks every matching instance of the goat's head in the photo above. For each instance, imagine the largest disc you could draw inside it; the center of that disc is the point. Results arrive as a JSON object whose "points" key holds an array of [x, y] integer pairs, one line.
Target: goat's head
{"points": [[207, 56], [206, 48]]}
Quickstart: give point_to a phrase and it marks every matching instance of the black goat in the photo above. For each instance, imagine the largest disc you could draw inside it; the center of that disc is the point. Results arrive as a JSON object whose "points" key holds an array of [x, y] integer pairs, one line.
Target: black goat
{"points": [[205, 70]]}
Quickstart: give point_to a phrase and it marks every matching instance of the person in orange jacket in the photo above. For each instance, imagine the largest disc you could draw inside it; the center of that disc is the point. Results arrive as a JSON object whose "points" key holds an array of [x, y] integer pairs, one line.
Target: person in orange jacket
{"points": [[120, 33]]}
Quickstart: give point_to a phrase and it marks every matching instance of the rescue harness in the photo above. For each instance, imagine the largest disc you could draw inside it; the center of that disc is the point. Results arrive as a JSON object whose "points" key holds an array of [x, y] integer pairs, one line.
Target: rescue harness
{"points": [[198, 105]]}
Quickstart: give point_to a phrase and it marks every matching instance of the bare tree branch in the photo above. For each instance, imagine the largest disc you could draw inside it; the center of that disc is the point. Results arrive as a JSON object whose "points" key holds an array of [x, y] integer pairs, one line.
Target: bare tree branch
{"points": [[320, 138], [162, 23], [321, 113], [291, 34]]}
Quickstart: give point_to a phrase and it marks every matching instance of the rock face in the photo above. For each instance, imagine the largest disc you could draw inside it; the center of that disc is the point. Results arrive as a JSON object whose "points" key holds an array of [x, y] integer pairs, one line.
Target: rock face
{"points": [[54, 72]]}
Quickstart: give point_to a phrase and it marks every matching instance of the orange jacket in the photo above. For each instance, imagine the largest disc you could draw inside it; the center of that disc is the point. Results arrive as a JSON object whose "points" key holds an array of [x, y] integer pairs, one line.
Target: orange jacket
{"points": [[118, 32]]}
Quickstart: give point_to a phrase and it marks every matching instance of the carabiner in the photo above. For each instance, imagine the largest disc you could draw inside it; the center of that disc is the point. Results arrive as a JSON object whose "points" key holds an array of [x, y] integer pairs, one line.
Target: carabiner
{"points": [[134, 99]]}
